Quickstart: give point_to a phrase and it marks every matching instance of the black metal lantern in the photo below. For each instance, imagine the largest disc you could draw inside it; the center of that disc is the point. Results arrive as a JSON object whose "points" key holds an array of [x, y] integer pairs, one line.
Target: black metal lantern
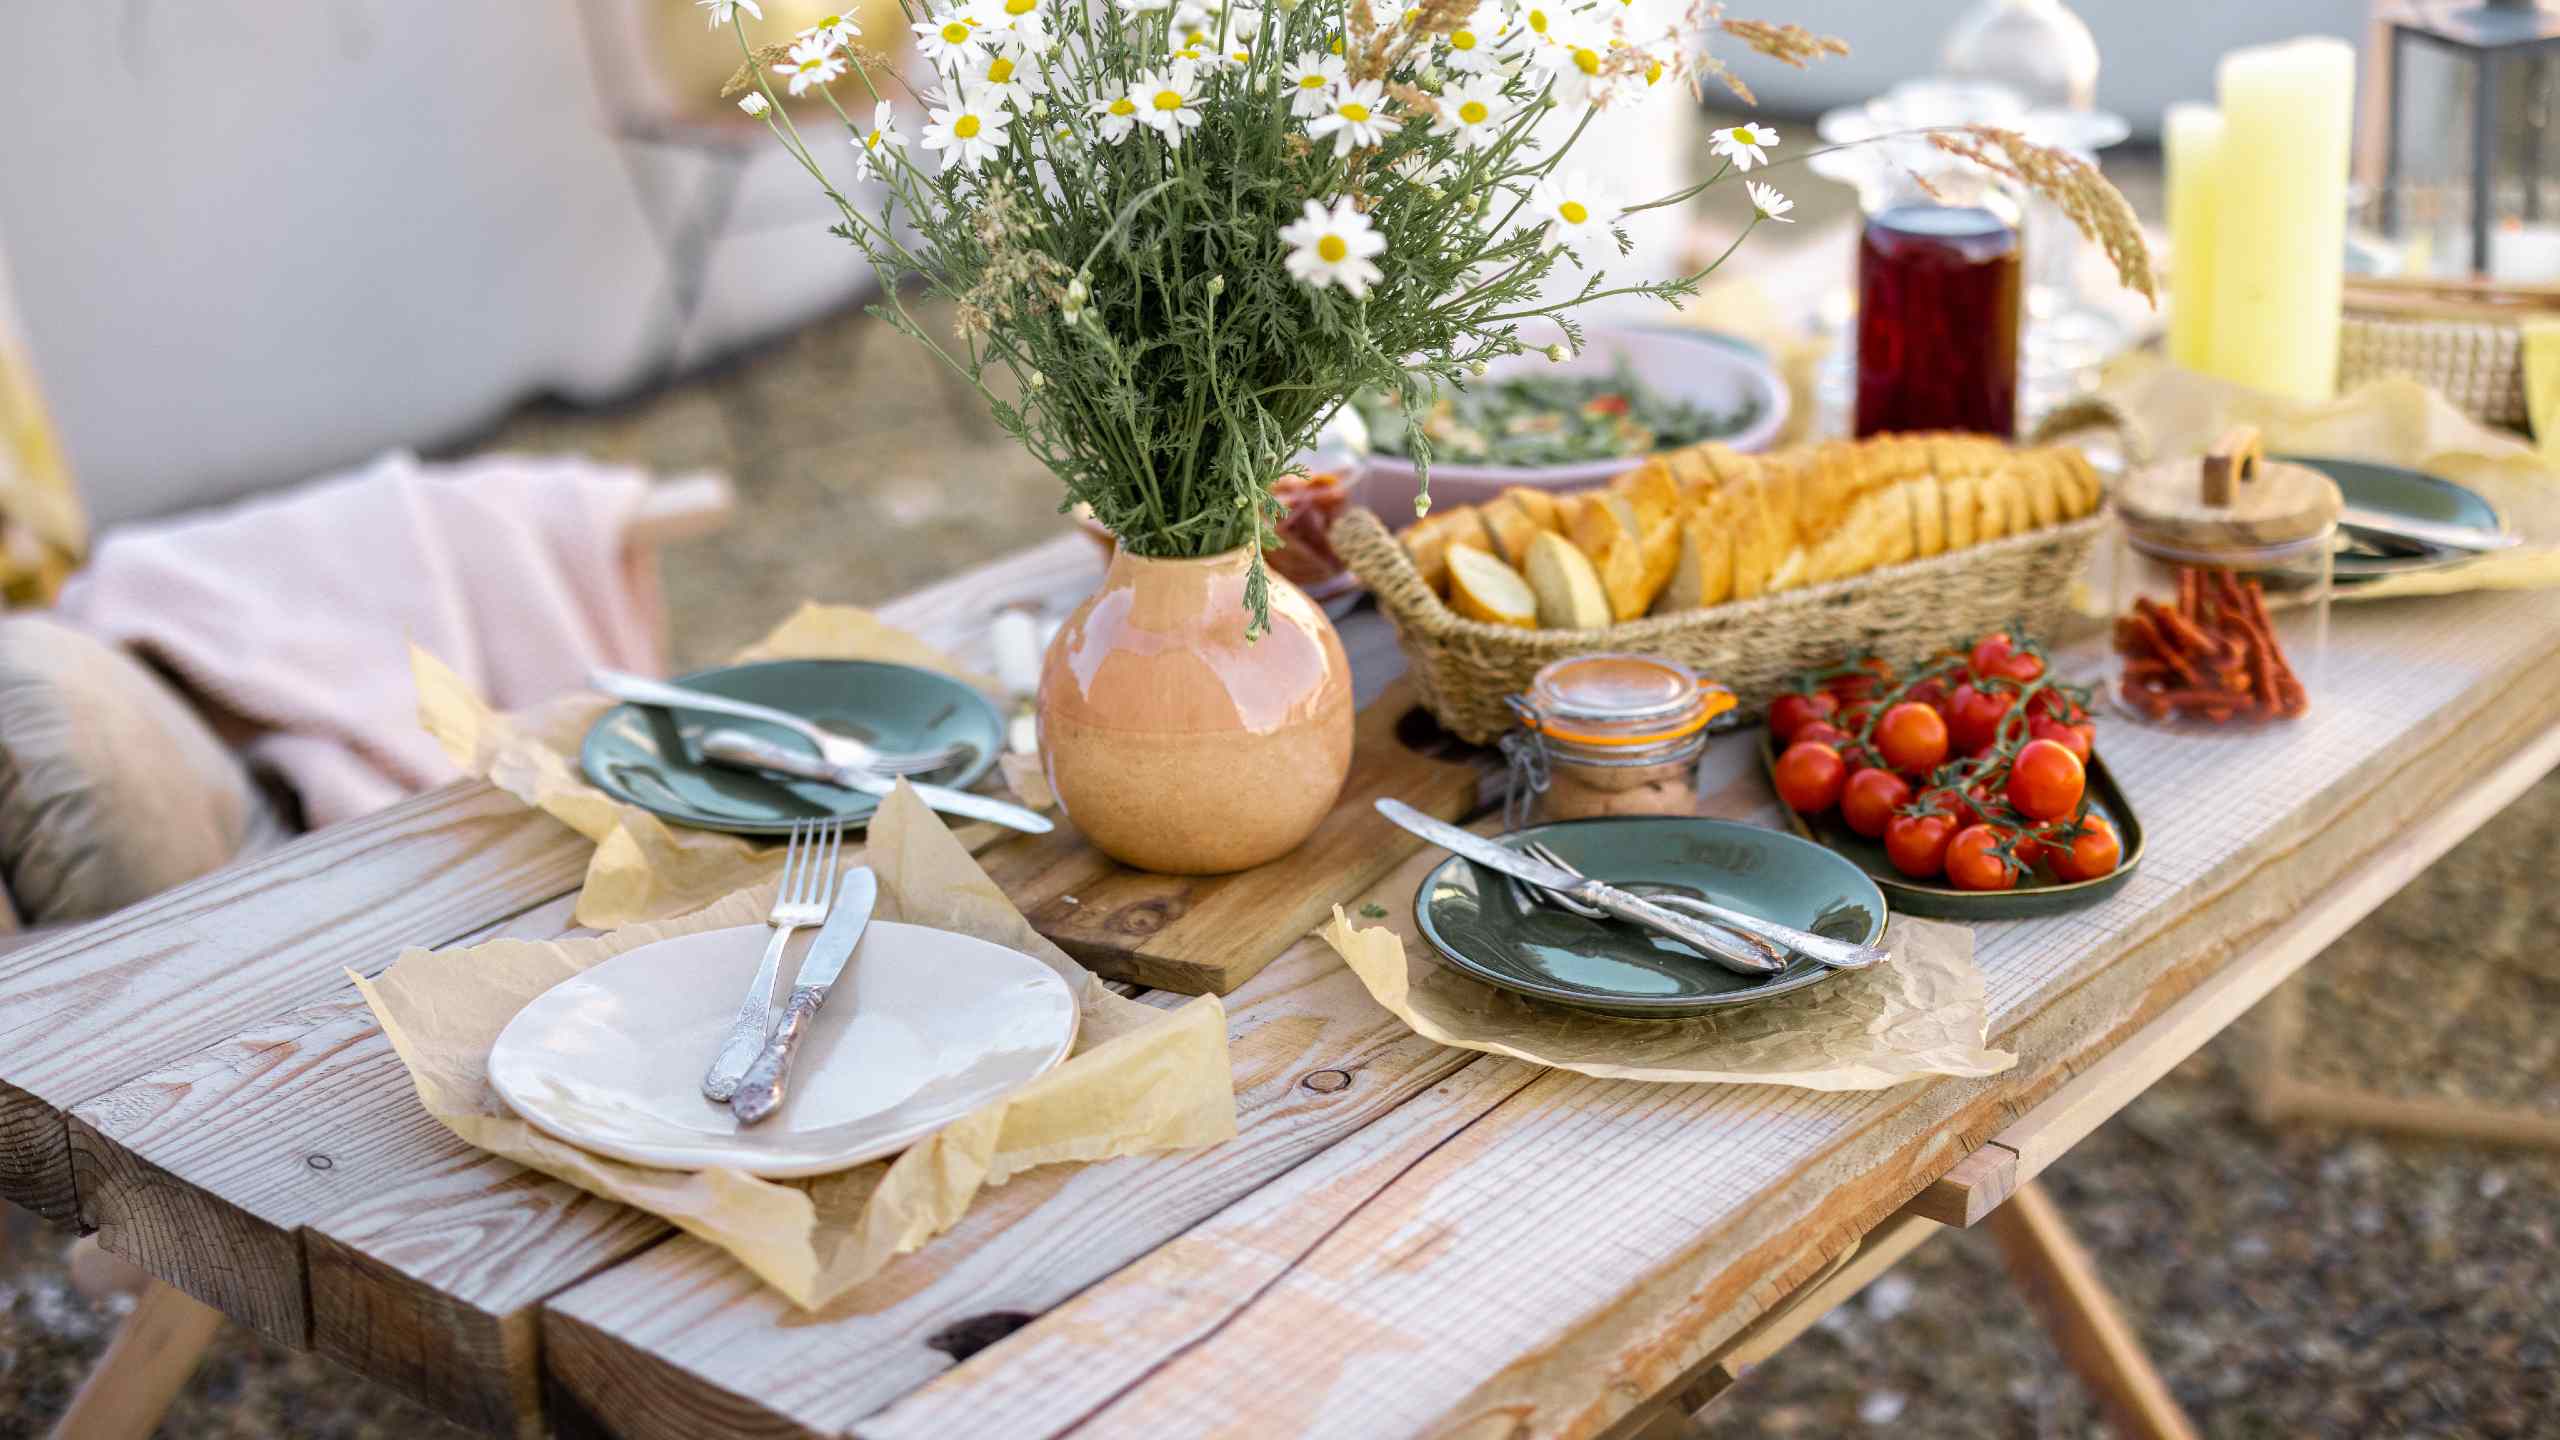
{"points": [[2472, 160]]}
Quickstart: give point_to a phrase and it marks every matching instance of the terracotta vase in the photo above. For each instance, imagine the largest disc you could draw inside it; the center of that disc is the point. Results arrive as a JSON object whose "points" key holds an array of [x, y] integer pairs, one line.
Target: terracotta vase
{"points": [[1173, 744]]}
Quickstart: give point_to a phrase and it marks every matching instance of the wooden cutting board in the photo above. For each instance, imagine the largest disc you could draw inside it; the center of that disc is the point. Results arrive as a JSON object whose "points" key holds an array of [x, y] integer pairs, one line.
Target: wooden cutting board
{"points": [[1211, 933]]}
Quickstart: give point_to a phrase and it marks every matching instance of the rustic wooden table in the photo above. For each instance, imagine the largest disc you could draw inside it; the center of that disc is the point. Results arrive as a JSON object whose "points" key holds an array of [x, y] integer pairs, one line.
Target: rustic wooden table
{"points": [[1404, 1239]]}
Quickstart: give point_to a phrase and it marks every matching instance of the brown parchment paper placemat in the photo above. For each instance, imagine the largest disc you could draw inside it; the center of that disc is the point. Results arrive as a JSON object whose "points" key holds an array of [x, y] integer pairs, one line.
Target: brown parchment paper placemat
{"points": [[1139, 1078], [1923, 1013], [646, 868]]}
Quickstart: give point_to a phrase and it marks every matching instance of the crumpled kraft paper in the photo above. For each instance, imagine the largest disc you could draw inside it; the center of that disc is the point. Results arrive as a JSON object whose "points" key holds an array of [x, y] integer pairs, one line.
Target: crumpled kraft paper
{"points": [[1139, 1079], [644, 868], [1923, 1013], [2393, 421]]}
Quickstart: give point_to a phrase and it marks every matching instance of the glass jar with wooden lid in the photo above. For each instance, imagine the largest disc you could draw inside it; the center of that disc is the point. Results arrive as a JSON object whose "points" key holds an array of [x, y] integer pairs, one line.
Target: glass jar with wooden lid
{"points": [[2222, 587], [1609, 734]]}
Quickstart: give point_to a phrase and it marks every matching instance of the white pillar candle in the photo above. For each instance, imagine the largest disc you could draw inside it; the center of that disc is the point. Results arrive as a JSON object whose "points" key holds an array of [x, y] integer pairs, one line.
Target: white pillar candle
{"points": [[2191, 137], [2280, 217]]}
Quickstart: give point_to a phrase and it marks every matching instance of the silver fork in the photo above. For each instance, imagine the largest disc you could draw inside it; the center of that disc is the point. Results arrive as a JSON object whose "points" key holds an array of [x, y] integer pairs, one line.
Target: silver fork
{"points": [[838, 749], [1535, 895], [808, 890]]}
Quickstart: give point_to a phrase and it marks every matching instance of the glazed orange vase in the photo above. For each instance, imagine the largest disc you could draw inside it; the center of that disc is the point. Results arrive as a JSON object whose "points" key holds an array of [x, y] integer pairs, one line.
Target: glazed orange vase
{"points": [[1173, 743]]}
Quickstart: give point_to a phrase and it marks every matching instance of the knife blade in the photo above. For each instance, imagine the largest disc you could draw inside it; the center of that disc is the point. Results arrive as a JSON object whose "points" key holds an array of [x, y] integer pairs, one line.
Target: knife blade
{"points": [[739, 749], [768, 1078], [1634, 909], [2429, 532]]}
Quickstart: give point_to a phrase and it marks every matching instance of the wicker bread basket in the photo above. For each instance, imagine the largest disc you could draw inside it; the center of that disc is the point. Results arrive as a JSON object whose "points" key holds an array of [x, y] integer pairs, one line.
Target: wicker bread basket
{"points": [[1461, 668]]}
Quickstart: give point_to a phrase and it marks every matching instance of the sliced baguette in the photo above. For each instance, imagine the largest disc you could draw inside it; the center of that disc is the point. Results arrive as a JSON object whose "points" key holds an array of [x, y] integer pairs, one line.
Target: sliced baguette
{"points": [[1568, 590], [1704, 575], [1538, 505], [1481, 587], [1928, 515], [1512, 528], [1605, 534], [1957, 492]]}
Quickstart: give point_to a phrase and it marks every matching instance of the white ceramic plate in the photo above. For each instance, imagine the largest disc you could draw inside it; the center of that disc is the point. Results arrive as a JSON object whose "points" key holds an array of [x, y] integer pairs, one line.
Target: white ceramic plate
{"points": [[923, 1027]]}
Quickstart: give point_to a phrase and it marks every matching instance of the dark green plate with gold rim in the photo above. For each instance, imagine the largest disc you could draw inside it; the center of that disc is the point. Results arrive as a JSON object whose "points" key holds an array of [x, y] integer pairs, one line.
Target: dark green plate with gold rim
{"points": [[2033, 897], [1472, 918]]}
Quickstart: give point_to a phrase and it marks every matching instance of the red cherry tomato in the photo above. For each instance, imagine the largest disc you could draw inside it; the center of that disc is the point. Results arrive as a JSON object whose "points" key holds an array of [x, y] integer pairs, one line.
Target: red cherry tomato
{"points": [[2046, 780], [1853, 716], [1821, 732], [1973, 718], [1912, 738], [2079, 739], [1810, 777], [2057, 705], [1861, 683], [1990, 653], [1789, 714], [1932, 693], [1917, 844], [2023, 844], [1869, 800], [2095, 852], [1974, 863]]}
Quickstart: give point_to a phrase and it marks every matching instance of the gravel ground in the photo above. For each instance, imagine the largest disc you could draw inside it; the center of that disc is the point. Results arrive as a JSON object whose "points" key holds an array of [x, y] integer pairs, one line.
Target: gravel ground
{"points": [[2304, 1282]]}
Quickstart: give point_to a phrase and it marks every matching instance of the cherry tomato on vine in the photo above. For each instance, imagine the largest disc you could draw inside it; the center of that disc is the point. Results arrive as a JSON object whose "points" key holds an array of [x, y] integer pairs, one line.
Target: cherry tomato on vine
{"points": [[1974, 861], [2079, 739], [1973, 718], [1820, 732], [1932, 693], [1861, 683], [1853, 716], [2024, 844], [1912, 738], [1869, 800], [1789, 714], [2046, 780], [1810, 776], [1917, 844], [1997, 656], [2057, 705], [2095, 852]]}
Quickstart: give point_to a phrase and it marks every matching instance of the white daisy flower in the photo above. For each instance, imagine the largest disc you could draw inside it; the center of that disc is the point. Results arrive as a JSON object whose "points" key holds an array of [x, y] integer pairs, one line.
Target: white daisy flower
{"points": [[1332, 247], [1473, 111], [834, 29], [1472, 48], [1420, 169], [1768, 202], [969, 130], [1168, 101], [753, 102], [1357, 116], [1742, 144], [1026, 21], [1574, 56], [1309, 80], [1536, 18], [952, 42], [871, 148], [811, 63], [723, 11], [1572, 209], [1118, 115], [1010, 78]]}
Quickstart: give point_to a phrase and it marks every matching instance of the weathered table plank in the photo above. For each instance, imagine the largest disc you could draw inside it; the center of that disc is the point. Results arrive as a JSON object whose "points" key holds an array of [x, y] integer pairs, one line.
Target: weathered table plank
{"points": [[166, 978]]}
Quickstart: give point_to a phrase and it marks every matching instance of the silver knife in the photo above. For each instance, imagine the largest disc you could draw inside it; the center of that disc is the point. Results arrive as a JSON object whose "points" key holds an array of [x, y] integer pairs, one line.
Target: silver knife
{"points": [[2430, 532], [770, 1075], [747, 752], [1839, 954]]}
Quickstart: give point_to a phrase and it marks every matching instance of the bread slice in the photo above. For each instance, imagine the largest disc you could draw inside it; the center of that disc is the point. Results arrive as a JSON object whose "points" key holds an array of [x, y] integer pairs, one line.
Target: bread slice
{"points": [[1538, 505], [1791, 571], [1650, 488], [1928, 515], [2086, 491], [1704, 575], [1511, 527], [2013, 495], [1990, 506], [1755, 552], [2036, 471], [1427, 541], [1606, 538], [1957, 494], [1691, 473], [1483, 588], [1567, 588]]}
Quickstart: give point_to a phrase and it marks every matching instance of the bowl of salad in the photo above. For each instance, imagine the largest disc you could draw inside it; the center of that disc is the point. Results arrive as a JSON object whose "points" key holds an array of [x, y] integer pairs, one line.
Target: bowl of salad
{"points": [[1532, 421]]}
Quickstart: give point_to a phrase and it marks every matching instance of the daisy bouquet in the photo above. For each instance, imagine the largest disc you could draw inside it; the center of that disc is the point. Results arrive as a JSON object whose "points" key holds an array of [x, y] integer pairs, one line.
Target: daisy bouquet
{"points": [[1178, 234]]}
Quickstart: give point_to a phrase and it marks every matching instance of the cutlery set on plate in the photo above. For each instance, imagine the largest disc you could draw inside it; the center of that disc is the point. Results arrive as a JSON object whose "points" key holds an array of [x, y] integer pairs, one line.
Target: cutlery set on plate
{"points": [[752, 1072]]}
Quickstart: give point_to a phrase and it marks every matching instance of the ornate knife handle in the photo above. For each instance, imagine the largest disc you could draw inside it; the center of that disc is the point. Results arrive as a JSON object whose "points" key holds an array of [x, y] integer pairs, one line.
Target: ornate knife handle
{"points": [[1670, 924], [768, 1078], [1838, 954]]}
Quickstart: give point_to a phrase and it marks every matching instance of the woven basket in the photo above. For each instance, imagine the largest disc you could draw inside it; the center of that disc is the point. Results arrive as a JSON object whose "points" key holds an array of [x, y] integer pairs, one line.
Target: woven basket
{"points": [[2478, 364], [1462, 668]]}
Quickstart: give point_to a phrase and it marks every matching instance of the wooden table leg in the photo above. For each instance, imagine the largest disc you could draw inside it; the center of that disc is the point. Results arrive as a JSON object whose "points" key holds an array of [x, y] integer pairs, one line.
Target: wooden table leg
{"points": [[2057, 1278], [153, 1353]]}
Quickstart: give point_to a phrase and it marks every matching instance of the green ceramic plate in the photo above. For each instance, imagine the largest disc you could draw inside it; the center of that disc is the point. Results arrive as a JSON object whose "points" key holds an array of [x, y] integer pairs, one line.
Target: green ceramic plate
{"points": [[2400, 492], [1471, 917], [650, 756], [1945, 902]]}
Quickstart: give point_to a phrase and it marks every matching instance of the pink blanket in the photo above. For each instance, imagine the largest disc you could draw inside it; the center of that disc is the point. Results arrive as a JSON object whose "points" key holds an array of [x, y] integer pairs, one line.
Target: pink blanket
{"points": [[294, 612]]}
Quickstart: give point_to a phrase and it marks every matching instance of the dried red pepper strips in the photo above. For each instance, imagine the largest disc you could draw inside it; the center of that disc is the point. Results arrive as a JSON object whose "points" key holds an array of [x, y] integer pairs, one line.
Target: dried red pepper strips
{"points": [[2212, 655]]}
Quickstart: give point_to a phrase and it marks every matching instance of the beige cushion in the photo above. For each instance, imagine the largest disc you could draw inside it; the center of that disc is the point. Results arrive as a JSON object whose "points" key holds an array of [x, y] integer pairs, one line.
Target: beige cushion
{"points": [[111, 787]]}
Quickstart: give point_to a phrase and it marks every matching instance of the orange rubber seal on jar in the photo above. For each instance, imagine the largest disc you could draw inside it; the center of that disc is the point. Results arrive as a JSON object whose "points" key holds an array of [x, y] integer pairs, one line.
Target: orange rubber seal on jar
{"points": [[1713, 700]]}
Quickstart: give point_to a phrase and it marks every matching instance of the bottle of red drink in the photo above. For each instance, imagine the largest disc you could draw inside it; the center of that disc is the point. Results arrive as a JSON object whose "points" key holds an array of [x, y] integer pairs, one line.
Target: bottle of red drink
{"points": [[1939, 292]]}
